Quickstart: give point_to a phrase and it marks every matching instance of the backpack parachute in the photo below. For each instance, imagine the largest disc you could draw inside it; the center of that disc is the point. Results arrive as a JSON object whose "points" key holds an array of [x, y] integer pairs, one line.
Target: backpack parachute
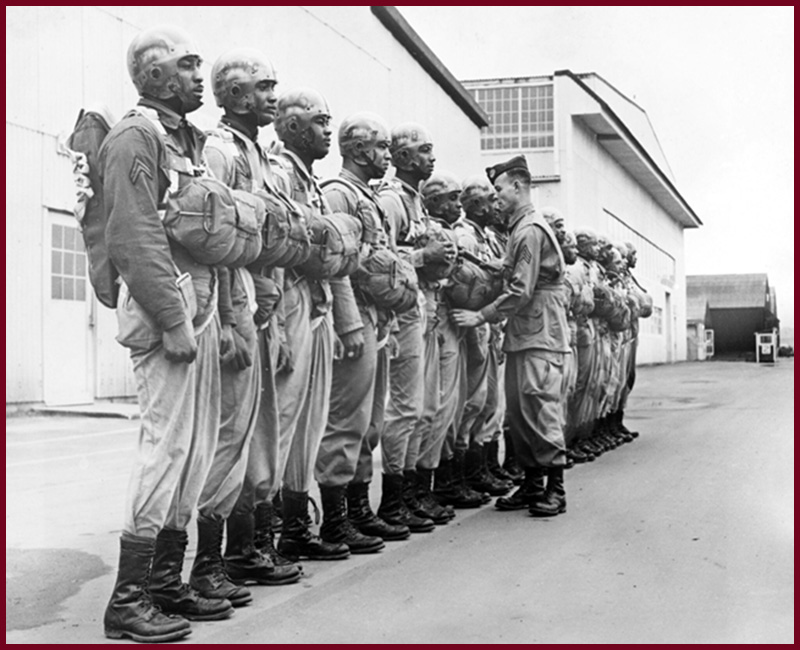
{"points": [[83, 145]]}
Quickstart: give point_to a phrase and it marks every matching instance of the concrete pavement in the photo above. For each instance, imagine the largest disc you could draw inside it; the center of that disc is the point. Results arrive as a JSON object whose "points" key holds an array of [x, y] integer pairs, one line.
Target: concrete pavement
{"points": [[684, 536]]}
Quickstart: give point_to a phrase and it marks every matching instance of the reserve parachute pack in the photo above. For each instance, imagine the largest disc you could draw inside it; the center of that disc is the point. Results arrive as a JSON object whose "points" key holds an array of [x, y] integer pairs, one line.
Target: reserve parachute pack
{"points": [[335, 246], [285, 234], [473, 283], [386, 279], [435, 271], [215, 224]]}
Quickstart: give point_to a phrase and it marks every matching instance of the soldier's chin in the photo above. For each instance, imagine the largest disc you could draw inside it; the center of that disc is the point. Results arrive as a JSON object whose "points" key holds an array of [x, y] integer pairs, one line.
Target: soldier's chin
{"points": [[191, 103]]}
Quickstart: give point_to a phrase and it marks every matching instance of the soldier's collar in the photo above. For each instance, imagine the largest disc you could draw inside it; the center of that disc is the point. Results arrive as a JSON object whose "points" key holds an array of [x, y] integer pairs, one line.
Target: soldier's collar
{"points": [[240, 126], [299, 164], [408, 188], [520, 212], [168, 117], [349, 176], [474, 224]]}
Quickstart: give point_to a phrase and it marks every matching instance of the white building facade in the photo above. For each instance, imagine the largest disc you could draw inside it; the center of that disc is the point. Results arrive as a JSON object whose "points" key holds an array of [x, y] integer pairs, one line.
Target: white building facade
{"points": [[60, 346], [595, 156]]}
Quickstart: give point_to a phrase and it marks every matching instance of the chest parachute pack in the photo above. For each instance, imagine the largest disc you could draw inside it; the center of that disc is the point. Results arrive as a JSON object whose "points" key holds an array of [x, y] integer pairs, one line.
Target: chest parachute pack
{"points": [[335, 246], [215, 224], [389, 281]]}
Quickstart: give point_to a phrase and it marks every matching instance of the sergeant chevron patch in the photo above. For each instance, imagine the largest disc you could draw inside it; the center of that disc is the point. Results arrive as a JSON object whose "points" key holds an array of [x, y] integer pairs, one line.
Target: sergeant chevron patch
{"points": [[525, 254], [138, 168]]}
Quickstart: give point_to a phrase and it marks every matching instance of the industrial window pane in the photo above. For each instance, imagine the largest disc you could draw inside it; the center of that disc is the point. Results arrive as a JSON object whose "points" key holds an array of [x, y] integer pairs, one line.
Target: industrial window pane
{"points": [[80, 289], [80, 265], [58, 236], [55, 292], [55, 262], [78, 242], [69, 289], [69, 239], [69, 263]]}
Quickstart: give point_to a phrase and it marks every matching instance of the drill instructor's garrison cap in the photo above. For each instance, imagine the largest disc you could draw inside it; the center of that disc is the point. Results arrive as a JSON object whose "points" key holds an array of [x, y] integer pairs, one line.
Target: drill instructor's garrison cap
{"points": [[517, 162]]}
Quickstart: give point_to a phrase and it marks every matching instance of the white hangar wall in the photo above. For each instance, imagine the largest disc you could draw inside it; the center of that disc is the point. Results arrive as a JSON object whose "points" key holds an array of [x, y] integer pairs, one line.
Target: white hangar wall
{"points": [[59, 59]]}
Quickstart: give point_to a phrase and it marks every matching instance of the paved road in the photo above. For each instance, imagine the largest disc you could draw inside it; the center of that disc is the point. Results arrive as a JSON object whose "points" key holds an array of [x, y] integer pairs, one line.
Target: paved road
{"points": [[684, 536]]}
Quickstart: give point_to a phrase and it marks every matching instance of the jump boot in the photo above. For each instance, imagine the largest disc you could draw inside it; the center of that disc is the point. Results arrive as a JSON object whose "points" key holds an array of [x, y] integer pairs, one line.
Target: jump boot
{"points": [[493, 462], [510, 464], [367, 522], [173, 595], [393, 509], [297, 541], [531, 490], [130, 611], [337, 528], [438, 513], [478, 476], [245, 563], [554, 500], [449, 487], [264, 539], [209, 577]]}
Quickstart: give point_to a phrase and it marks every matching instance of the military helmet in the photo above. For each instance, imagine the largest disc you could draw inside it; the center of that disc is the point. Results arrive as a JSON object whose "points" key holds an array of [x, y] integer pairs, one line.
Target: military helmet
{"points": [[153, 57], [299, 106], [235, 75], [363, 127]]}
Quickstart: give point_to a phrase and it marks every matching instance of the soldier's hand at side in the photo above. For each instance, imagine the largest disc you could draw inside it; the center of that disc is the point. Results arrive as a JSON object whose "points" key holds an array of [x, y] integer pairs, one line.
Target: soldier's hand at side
{"points": [[284, 361], [353, 343], [179, 343], [242, 357], [226, 345], [394, 347], [466, 318], [438, 251]]}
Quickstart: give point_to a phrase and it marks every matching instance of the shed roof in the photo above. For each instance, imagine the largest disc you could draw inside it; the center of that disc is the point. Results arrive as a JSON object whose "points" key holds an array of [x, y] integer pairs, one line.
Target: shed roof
{"points": [[731, 291], [696, 309]]}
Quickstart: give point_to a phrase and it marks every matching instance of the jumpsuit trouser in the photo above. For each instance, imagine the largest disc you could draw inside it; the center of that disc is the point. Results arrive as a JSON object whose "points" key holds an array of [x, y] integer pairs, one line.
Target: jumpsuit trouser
{"points": [[534, 380], [351, 399], [180, 415]]}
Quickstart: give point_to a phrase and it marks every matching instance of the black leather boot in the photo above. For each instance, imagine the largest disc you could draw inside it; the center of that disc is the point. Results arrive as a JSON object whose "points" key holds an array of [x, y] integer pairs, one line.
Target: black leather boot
{"points": [[173, 595], [367, 522], [297, 541], [130, 611], [337, 528], [245, 563], [529, 492], [209, 577], [478, 476], [493, 462], [554, 500], [450, 488], [438, 513], [393, 509], [510, 464], [264, 539], [410, 497], [277, 511]]}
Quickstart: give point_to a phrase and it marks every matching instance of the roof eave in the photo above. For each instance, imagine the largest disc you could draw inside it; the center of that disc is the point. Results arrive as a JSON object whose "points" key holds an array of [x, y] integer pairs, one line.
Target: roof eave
{"points": [[391, 18], [623, 146]]}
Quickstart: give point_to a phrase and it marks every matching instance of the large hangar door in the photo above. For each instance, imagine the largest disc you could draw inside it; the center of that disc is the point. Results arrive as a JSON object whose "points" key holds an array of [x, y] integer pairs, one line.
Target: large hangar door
{"points": [[68, 368]]}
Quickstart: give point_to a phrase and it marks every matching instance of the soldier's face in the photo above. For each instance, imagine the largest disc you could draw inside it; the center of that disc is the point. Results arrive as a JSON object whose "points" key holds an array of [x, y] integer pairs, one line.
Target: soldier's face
{"points": [[317, 136], [559, 228], [187, 83], [265, 102], [570, 250], [449, 206], [632, 259], [377, 154], [421, 159], [507, 195]]}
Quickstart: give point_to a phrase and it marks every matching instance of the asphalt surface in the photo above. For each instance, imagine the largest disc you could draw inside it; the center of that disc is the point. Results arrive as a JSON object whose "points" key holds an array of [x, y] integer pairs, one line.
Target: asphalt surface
{"points": [[684, 536]]}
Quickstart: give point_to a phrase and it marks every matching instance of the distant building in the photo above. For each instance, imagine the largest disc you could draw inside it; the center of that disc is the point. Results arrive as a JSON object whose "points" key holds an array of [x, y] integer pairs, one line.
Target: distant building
{"points": [[739, 306], [699, 333], [60, 346], [595, 156]]}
